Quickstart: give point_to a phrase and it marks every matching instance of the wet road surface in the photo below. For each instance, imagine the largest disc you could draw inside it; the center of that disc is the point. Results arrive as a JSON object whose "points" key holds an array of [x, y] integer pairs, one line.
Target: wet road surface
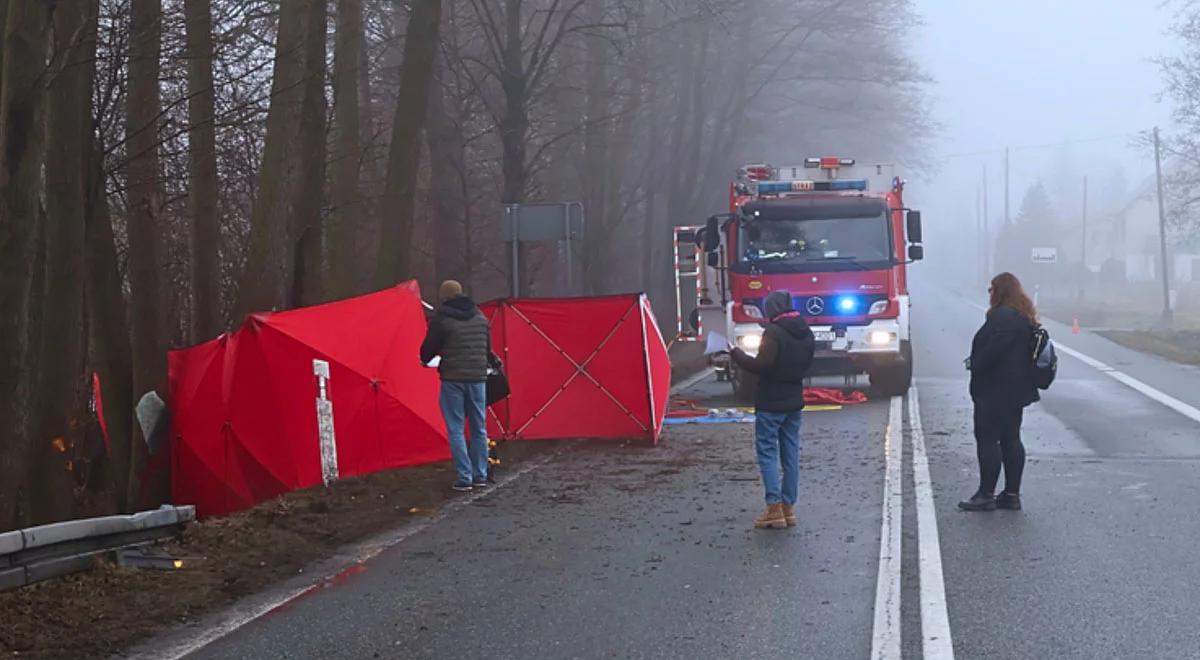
{"points": [[618, 551]]}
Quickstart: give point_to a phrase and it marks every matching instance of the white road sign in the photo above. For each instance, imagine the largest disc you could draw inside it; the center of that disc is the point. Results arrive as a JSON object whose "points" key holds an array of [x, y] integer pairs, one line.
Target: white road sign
{"points": [[1045, 255]]}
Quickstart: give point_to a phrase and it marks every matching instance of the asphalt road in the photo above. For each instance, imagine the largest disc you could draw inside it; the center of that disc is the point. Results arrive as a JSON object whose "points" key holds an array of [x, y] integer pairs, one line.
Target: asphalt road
{"points": [[616, 551]]}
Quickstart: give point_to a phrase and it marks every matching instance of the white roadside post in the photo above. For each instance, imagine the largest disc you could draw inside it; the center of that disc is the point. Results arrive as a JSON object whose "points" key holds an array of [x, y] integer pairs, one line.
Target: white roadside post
{"points": [[328, 441]]}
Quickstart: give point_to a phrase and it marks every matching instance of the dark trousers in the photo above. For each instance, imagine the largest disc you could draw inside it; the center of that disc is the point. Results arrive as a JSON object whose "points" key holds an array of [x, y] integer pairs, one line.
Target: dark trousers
{"points": [[998, 443]]}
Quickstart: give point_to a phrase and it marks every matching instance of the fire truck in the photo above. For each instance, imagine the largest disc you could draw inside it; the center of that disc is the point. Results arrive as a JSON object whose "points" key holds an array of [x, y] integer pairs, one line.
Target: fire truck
{"points": [[838, 238]]}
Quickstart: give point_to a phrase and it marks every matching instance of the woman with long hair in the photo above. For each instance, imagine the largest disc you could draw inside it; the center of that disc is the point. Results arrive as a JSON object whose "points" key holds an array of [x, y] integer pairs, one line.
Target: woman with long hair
{"points": [[1002, 386]]}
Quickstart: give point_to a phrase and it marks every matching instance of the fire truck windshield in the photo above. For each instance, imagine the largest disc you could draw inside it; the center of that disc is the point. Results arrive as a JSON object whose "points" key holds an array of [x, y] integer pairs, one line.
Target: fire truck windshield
{"points": [[783, 245]]}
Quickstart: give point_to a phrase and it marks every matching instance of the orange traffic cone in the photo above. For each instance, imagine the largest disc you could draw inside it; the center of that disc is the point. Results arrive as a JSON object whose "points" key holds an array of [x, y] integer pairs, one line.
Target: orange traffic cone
{"points": [[1075, 327]]}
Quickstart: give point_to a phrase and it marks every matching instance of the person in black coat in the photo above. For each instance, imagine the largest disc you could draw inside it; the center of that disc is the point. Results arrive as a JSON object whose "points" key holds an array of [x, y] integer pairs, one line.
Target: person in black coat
{"points": [[1002, 386], [460, 336], [782, 362]]}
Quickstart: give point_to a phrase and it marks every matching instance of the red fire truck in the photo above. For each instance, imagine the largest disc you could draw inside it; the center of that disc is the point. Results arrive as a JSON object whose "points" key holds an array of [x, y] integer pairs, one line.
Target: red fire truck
{"points": [[836, 236]]}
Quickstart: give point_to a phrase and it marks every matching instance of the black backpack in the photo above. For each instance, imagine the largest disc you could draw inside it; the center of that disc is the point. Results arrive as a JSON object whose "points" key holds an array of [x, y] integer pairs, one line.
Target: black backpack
{"points": [[1045, 359]]}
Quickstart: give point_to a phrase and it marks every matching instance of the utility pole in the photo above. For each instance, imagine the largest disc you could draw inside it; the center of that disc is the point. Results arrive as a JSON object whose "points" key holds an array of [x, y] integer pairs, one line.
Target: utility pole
{"points": [[980, 239], [987, 234], [1162, 230], [1083, 272], [1007, 217]]}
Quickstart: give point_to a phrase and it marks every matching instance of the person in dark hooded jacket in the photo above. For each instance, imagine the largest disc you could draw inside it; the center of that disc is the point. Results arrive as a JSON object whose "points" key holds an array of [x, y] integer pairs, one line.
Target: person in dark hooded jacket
{"points": [[459, 334], [783, 360], [1002, 386]]}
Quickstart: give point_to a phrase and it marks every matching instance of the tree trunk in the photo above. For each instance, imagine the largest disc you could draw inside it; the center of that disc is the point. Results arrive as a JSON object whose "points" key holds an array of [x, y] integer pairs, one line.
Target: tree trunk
{"points": [[142, 225], [596, 140], [60, 366], [267, 278], [348, 63], [108, 329], [514, 122], [450, 238], [309, 231], [202, 172], [420, 50], [24, 47], [3, 28]]}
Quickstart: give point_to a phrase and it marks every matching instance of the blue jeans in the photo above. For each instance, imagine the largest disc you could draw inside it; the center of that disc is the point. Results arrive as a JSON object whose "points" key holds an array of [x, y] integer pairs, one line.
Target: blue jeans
{"points": [[777, 440], [462, 403]]}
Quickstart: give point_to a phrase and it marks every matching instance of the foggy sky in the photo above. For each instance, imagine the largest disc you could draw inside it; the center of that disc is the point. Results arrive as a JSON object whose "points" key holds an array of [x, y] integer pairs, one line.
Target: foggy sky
{"points": [[1026, 72]]}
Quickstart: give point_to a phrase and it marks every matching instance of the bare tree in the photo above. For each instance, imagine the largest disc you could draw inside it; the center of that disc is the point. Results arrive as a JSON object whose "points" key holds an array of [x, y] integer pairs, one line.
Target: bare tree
{"points": [[60, 365], [143, 223], [203, 194], [348, 65], [309, 277], [21, 107], [268, 280], [420, 51]]}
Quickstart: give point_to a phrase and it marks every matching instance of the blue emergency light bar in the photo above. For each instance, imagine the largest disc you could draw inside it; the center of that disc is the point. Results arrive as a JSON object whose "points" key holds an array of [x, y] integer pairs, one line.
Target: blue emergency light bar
{"points": [[836, 185]]}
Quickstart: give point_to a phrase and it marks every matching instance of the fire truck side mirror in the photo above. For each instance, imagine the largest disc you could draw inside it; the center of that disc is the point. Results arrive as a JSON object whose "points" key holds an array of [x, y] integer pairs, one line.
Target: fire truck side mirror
{"points": [[714, 259], [712, 235], [914, 227], [916, 252]]}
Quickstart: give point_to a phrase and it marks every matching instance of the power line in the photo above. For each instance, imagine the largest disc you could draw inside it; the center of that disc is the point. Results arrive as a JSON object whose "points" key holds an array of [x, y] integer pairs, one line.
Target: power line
{"points": [[1064, 143]]}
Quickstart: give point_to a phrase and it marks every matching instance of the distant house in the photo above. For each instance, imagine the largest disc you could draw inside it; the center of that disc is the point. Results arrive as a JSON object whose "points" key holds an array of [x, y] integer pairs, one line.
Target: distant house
{"points": [[1129, 236]]}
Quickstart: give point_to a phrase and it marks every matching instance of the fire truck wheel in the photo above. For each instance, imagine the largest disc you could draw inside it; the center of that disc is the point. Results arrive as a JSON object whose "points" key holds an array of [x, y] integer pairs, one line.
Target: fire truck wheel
{"points": [[745, 385], [895, 380]]}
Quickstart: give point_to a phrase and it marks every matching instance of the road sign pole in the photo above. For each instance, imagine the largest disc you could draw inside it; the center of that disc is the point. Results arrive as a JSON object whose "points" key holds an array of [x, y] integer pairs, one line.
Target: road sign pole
{"points": [[1083, 273], [567, 242], [514, 219]]}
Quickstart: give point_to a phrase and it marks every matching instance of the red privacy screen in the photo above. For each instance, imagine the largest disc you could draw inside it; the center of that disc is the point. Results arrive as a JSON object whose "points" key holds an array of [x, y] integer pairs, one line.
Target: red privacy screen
{"points": [[580, 368], [246, 406]]}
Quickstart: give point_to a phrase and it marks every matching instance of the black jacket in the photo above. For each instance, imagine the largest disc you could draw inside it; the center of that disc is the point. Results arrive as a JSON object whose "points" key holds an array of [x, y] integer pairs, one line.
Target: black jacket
{"points": [[1002, 361], [783, 359], [459, 333]]}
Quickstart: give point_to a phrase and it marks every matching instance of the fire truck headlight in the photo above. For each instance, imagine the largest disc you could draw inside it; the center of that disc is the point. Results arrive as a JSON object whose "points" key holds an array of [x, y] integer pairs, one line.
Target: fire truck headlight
{"points": [[880, 338], [749, 343], [878, 307]]}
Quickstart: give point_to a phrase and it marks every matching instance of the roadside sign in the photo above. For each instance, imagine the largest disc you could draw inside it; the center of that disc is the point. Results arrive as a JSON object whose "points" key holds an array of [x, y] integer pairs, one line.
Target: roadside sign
{"points": [[1045, 255]]}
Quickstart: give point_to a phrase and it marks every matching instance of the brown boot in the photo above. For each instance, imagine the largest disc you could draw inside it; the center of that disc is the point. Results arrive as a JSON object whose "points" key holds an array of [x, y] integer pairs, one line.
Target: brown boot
{"points": [[789, 514], [772, 519]]}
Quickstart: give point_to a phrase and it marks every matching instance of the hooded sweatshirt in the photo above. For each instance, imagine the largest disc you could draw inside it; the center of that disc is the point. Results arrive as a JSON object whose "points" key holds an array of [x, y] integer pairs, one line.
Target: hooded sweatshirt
{"points": [[459, 334], [783, 359]]}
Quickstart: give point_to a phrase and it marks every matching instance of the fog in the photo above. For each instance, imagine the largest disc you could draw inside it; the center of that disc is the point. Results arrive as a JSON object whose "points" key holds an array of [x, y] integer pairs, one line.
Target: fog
{"points": [[1067, 84]]}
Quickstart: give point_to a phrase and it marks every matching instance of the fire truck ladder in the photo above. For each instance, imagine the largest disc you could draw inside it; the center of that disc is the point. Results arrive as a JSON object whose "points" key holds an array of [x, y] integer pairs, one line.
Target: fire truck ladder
{"points": [[688, 262]]}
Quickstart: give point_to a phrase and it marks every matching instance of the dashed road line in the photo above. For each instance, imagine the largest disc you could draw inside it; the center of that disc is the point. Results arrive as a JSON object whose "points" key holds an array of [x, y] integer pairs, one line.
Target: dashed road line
{"points": [[936, 641], [885, 640]]}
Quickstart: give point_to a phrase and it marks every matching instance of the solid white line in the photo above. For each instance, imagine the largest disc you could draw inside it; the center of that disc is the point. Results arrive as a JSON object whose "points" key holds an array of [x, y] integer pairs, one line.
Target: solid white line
{"points": [[885, 641], [253, 609], [1167, 400], [1189, 411], [936, 641], [693, 380]]}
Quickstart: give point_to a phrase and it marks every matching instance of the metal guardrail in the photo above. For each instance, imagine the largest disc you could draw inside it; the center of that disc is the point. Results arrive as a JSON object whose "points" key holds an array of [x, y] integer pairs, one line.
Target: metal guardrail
{"points": [[39, 553]]}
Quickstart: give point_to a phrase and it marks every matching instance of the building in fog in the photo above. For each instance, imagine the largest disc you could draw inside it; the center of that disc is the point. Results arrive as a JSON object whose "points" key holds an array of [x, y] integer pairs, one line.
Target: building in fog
{"points": [[1123, 242]]}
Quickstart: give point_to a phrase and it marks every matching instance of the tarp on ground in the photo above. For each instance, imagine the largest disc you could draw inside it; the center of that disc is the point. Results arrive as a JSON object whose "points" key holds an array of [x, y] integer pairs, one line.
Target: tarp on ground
{"points": [[245, 405], [580, 368]]}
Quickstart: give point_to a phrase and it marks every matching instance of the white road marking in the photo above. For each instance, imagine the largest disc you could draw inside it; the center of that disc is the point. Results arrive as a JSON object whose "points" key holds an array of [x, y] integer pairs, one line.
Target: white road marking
{"points": [[233, 619], [1189, 411], [239, 616], [688, 383], [936, 642], [885, 642]]}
